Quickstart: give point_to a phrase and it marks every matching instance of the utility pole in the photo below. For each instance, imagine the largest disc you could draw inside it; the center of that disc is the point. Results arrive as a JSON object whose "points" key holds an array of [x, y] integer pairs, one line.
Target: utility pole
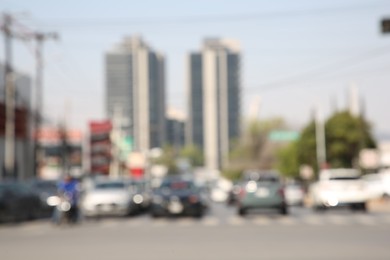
{"points": [[39, 38], [320, 140], [9, 153]]}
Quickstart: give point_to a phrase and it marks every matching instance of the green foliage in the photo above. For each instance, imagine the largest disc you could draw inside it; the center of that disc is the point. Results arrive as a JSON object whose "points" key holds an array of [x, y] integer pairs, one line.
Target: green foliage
{"points": [[345, 136], [248, 151], [288, 163], [194, 154], [168, 159], [232, 173]]}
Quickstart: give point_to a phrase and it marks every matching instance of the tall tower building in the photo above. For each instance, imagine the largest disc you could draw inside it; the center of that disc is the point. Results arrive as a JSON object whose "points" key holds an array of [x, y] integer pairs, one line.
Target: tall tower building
{"points": [[214, 99], [135, 86]]}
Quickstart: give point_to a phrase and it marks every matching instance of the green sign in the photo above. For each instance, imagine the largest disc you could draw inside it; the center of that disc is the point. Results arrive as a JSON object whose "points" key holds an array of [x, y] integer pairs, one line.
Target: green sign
{"points": [[283, 136]]}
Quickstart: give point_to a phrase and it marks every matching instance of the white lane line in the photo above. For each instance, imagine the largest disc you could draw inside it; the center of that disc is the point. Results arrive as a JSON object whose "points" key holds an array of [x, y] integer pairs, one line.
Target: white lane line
{"points": [[210, 221], [339, 220], [109, 223], [185, 222], [366, 220], [261, 221], [287, 221], [160, 223], [314, 220], [235, 221]]}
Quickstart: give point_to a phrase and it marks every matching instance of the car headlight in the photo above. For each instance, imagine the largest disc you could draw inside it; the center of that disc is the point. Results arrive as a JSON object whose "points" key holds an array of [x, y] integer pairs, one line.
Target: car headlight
{"points": [[138, 199], [53, 200]]}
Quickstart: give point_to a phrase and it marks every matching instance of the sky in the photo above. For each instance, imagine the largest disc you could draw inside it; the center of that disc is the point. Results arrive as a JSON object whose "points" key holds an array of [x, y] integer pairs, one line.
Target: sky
{"points": [[296, 55]]}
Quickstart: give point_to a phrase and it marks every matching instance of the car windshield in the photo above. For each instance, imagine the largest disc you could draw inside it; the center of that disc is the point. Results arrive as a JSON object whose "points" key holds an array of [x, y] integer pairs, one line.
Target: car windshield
{"points": [[177, 185], [110, 185]]}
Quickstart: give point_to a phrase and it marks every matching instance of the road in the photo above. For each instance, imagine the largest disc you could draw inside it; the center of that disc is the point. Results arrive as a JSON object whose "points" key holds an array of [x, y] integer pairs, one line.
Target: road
{"points": [[336, 234]]}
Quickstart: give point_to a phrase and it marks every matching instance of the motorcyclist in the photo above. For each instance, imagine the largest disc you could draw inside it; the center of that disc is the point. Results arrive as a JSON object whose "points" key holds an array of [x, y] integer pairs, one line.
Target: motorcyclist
{"points": [[68, 188]]}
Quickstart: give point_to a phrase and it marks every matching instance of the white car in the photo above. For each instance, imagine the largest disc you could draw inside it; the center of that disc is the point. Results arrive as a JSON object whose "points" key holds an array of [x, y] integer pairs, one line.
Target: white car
{"points": [[339, 187], [294, 194], [110, 197], [378, 184]]}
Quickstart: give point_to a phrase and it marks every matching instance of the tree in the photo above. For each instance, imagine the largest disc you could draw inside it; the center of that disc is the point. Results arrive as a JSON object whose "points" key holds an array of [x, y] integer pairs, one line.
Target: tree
{"points": [[253, 150], [168, 159], [193, 154], [288, 161], [346, 135]]}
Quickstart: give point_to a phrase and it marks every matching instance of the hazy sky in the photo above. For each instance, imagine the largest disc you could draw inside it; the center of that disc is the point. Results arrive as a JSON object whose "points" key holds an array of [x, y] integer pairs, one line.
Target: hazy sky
{"points": [[295, 54]]}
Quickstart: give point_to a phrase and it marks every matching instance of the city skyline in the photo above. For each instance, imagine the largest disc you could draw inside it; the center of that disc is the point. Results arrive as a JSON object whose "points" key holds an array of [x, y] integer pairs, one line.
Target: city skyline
{"points": [[297, 55]]}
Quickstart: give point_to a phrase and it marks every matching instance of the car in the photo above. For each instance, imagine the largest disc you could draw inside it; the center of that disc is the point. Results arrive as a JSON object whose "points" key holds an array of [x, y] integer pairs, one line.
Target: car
{"points": [[18, 202], [106, 198], [139, 190], [177, 197], [262, 190], [294, 194], [339, 188], [377, 184], [48, 194]]}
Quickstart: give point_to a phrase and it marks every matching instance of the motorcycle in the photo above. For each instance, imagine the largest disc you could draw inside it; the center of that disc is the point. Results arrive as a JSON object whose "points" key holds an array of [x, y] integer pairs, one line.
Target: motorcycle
{"points": [[65, 212]]}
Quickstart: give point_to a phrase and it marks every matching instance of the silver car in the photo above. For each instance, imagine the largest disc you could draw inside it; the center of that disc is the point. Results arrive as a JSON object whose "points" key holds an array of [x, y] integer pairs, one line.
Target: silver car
{"points": [[106, 198]]}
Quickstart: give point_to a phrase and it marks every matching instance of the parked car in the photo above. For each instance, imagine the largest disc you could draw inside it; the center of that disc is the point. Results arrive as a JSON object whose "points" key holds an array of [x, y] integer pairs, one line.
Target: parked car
{"points": [[140, 194], [294, 194], [377, 184], [177, 197], [339, 187], [106, 198], [18, 202], [48, 194], [262, 190]]}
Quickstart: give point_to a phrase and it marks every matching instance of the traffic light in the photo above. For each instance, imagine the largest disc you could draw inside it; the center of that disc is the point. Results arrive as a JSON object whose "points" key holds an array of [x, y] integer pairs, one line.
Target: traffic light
{"points": [[386, 25]]}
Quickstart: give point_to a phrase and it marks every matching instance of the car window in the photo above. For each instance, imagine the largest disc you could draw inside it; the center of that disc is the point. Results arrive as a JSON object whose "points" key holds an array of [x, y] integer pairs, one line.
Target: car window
{"points": [[110, 185]]}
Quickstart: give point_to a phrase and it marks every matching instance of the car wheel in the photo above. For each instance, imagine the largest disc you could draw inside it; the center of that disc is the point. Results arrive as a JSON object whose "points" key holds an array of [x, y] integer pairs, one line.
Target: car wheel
{"points": [[242, 211], [283, 210]]}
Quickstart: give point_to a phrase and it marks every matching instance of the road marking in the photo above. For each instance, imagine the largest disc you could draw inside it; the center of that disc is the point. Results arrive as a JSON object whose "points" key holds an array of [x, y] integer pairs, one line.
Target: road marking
{"points": [[160, 223], [314, 220], [366, 220], [210, 221], [185, 222], [109, 223], [339, 220], [235, 221], [287, 221], [261, 221]]}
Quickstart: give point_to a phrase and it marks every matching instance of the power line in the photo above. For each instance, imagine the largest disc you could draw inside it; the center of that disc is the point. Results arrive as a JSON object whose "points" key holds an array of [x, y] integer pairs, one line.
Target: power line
{"points": [[329, 68], [181, 20]]}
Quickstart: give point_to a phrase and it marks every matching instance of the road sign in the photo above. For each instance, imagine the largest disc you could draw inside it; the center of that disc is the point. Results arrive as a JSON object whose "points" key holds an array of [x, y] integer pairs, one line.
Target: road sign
{"points": [[283, 135], [386, 25]]}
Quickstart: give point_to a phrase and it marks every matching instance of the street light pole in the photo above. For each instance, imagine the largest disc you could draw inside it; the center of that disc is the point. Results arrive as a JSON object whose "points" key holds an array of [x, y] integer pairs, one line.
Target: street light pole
{"points": [[40, 38], [9, 154]]}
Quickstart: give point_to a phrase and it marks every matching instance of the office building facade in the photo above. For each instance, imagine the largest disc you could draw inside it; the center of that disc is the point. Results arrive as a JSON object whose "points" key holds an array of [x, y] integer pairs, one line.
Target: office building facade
{"points": [[214, 99], [135, 92]]}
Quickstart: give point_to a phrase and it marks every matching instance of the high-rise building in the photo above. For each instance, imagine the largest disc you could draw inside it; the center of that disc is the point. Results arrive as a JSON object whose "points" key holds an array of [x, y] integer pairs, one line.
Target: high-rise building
{"points": [[214, 99], [175, 128], [135, 86]]}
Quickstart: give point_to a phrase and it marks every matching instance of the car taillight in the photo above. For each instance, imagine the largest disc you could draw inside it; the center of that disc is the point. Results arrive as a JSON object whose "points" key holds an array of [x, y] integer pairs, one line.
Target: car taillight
{"points": [[193, 199], [241, 193], [281, 192]]}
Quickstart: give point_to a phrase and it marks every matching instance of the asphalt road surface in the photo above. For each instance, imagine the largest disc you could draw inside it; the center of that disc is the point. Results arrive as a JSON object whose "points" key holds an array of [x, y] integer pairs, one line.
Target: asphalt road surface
{"points": [[221, 234]]}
